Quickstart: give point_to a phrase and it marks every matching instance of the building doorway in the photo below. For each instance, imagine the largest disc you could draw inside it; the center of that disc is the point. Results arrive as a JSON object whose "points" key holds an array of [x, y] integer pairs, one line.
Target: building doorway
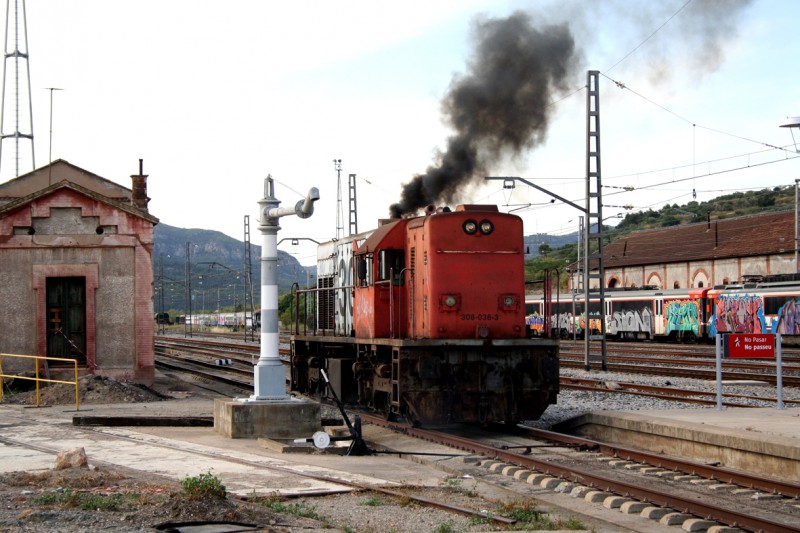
{"points": [[66, 319]]}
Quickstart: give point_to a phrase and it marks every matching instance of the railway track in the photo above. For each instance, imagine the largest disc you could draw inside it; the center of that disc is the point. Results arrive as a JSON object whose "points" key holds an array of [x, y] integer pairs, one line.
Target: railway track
{"points": [[203, 357], [621, 474], [665, 393], [546, 458]]}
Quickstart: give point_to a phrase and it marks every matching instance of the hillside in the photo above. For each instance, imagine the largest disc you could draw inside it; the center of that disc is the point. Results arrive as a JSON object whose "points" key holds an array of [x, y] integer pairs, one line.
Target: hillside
{"points": [[215, 270], [727, 206]]}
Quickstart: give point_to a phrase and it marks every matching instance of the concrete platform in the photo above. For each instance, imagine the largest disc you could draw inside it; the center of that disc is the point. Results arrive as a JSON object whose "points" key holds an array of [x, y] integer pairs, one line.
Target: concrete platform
{"points": [[762, 440]]}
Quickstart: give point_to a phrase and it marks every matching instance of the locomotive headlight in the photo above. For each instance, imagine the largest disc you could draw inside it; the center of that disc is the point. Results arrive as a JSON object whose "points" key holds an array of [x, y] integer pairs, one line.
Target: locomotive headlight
{"points": [[470, 227], [508, 301], [449, 300], [486, 227]]}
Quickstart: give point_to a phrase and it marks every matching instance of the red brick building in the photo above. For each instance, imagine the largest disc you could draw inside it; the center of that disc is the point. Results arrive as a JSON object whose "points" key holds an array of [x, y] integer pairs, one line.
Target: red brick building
{"points": [[76, 272], [715, 252]]}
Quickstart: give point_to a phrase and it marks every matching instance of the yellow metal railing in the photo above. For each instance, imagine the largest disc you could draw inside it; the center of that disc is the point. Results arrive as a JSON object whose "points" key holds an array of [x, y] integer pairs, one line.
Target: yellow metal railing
{"points": [[37, 378]]}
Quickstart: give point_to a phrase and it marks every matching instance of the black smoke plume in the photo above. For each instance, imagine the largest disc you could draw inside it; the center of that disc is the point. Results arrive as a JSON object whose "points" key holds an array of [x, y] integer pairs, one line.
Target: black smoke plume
{"points": [[500, 107]]}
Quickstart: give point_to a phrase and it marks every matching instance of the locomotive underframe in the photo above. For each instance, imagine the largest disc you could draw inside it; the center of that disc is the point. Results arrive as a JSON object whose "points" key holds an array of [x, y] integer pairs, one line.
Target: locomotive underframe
{"points": [[432, 381]]}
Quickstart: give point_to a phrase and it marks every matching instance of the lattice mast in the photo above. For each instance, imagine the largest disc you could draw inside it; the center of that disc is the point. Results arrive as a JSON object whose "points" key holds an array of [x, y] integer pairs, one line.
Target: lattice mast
{"points": [[353, 208], [16, 52], [593, 236], [249, 291], [337, 166]]}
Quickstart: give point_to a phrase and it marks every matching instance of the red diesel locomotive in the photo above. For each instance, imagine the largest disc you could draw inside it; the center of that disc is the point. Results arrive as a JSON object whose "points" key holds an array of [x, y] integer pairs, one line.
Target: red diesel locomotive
{"points": [[424, 318]]}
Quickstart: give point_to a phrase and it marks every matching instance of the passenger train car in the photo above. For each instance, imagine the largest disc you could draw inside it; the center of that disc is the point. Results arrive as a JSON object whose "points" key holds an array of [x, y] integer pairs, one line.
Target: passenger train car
{"points": [[424, 318], [770, 304]]}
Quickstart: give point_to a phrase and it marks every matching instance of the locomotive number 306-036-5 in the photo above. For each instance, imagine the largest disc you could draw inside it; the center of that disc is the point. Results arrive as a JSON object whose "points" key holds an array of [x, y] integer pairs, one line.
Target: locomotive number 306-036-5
{"points": [[479, 316]]}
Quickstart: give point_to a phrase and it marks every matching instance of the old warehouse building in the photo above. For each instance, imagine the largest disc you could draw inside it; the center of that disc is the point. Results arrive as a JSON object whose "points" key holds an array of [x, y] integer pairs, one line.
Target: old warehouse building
{"points": [[705, 254], [76, 272]]}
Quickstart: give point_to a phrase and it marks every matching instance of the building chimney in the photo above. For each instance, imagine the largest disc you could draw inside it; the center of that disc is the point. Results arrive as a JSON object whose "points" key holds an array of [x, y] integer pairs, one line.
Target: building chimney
{"points": [[139, 197]]}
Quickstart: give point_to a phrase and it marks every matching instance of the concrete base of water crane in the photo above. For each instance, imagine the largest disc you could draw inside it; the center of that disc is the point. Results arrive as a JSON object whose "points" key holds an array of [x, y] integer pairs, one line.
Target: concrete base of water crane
{"points": [[275, 419]]}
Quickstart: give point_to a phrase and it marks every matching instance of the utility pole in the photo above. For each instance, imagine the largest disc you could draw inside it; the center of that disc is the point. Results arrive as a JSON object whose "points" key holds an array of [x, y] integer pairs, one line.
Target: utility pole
{"points": [[593, 237], [18, 54], [50, 152], [337, 165]]}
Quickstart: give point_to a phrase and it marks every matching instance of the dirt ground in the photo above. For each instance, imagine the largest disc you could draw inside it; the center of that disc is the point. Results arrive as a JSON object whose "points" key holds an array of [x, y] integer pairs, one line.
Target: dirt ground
{"points": [[56, 500], [88, 499], [81, 499], [91, 390]]}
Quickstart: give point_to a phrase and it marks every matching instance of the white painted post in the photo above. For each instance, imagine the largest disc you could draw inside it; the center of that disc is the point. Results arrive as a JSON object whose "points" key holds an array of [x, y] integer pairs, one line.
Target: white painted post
{"points": [[779, 371], [269, 374]]}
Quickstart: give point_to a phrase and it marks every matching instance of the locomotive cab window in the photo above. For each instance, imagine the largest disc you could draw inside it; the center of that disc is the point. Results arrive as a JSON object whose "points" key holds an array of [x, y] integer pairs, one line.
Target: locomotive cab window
{"points": [[391, 262], [364, 270]]}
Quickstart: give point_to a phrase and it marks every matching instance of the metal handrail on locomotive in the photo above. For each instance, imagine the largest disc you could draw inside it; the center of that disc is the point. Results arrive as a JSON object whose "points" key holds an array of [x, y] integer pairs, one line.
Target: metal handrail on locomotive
{"points": [[424, 318], [762, 304]]}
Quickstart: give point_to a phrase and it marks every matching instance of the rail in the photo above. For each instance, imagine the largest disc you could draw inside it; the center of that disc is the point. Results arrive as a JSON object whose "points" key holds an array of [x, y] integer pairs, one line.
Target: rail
{"points": [[38, 379]]}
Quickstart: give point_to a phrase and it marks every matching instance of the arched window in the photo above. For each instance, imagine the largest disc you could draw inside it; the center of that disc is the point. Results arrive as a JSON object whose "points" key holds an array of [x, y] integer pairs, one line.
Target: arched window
{"points": [[700, 285], [654, 280], [676, 285], [612, 283]]}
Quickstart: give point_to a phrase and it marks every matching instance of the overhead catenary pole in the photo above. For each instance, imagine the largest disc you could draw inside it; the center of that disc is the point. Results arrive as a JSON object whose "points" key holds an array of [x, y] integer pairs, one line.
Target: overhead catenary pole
{"points": [[593, 211], [593, 238], [15, 55], [791, 123]]}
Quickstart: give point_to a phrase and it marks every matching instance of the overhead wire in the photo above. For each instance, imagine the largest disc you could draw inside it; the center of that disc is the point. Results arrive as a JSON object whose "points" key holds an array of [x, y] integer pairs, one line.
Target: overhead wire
{"points": [[695, 125], [650, 36]]}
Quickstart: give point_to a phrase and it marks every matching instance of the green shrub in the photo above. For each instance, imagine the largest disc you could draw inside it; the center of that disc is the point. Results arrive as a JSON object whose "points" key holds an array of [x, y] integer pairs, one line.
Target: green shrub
{"points": [[297, 509], [203, 486], [372, 501], [88, 502], [528, 517]]}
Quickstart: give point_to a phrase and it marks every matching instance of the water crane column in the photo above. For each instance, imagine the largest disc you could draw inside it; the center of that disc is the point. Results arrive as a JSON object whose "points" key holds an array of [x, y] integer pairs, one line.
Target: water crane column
{"points": [[270, 377]]}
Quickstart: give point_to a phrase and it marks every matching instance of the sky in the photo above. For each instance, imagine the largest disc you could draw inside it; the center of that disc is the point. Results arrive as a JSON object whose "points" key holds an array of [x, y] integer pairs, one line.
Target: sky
{"points": [[215, 96]]}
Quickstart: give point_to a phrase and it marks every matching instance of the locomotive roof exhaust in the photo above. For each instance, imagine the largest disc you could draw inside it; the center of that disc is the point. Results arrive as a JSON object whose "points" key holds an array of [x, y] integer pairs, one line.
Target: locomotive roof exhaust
{"points": [[433, 210]]}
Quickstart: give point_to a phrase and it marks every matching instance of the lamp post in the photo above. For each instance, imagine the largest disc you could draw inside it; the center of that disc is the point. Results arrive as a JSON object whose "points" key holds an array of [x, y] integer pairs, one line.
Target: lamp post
{"points": [[794, 122]]}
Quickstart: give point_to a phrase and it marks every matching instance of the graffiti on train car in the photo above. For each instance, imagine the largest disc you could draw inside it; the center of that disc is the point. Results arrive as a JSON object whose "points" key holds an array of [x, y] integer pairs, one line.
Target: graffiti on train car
{"points": [[682, 315], [739, 313], [631, 321], [535, 323], [563, 322], [788, 320], [594, 324]]}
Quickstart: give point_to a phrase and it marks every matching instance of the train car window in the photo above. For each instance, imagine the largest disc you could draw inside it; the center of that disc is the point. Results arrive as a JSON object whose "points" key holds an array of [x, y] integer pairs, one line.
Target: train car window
{"points": [[391, 261], [632, 305], [773, 304]]}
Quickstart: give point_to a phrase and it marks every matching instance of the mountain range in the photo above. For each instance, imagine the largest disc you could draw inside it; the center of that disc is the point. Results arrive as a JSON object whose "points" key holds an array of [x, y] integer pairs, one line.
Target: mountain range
{"points": [[216, 269]]}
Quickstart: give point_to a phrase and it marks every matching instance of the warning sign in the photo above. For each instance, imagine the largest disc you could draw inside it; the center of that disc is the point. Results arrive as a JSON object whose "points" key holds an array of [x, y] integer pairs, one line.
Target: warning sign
{"points": [[749, 346]]}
